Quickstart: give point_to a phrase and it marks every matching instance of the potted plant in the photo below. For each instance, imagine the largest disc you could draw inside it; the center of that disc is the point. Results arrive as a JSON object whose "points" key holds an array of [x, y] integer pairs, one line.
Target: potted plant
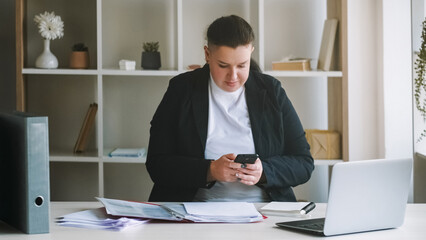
{"points": [[151, 56], [420, 81], [79, 58]]}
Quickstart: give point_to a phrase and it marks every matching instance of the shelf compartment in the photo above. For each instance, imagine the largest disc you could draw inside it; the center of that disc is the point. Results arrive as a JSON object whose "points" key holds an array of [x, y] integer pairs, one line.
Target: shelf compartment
{"points": [[299, 37], [76, 29], [126, 24], [65, 101], [129, 105], [193, 32], [127, 181], [73, 181]]}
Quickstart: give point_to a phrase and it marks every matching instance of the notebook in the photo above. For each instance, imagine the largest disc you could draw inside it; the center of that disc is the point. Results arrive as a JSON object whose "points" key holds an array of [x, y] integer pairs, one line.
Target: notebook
{"points": [[364, 196]]}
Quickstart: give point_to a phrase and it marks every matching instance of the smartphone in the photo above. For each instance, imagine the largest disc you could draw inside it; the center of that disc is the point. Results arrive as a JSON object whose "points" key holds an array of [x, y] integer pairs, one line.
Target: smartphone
{"points": [[246, 158]]}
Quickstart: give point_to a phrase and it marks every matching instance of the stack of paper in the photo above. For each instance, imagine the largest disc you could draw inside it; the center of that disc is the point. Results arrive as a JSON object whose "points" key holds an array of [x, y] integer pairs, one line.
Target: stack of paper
{"points": [[97, 219], [234, 212], [229, 212]]}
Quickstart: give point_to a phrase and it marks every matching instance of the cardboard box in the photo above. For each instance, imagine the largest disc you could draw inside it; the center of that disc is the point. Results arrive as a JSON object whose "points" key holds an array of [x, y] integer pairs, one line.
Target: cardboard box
{"points": [[292, 65], [325, 144]]}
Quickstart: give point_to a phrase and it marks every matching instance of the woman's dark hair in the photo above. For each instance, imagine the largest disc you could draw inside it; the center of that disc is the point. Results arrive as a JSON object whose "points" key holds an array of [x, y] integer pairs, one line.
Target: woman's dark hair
{"points": [[231, 31]]}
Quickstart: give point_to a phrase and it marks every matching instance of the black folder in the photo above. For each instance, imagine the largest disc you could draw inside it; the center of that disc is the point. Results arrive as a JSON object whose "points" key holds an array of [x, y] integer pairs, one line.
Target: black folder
{"points": [[24, 172]]}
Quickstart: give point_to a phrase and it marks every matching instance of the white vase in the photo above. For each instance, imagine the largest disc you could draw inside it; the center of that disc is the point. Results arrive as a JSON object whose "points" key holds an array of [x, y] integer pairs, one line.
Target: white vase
{"points": [[46, 59]]}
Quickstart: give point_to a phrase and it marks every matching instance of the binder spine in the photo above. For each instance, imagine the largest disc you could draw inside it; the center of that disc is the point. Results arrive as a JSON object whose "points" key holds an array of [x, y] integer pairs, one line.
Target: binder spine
{"points": [[38, 198]]}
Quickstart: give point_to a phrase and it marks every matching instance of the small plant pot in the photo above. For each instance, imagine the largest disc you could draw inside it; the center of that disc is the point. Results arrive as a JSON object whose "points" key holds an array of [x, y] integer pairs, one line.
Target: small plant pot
{"points": [[151, 60], [79, 60]]}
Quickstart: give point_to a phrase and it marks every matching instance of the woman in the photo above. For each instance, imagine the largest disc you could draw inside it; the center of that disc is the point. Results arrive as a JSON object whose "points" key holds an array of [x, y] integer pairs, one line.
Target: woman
{"points": [[210, 115]]}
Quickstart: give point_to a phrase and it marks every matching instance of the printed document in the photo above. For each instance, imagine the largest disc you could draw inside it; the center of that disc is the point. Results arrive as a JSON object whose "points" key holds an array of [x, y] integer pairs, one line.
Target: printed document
{"points": [[235, 212]]}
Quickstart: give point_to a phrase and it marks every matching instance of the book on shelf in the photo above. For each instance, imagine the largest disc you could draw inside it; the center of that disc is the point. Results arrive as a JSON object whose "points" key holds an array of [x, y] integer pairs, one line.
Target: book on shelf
{"points": [[128, 152], [89, 121], [327, 44]]}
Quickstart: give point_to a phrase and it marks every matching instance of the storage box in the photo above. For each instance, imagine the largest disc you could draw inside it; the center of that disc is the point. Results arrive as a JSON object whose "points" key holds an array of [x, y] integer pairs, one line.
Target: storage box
{"points": [[325, 144], [127, 65], [292, 65]]}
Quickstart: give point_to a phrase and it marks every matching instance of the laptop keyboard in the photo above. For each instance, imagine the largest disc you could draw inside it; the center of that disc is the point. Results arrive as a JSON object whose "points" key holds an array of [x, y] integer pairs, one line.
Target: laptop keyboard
{"points": [[314, 226]]}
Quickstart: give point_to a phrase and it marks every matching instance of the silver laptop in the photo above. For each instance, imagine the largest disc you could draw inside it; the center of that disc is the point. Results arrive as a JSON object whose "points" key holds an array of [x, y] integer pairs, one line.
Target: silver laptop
{"points": [[364, 196]]}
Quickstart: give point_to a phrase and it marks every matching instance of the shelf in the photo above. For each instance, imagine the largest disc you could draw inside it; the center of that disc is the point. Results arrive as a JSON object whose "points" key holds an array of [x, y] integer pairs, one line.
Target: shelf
{"points": [[107, 159], [138, 72], [74, 159], [304, 73], [60, 71], [69, 156], [167, 73], [421, 155], [329, 162]]}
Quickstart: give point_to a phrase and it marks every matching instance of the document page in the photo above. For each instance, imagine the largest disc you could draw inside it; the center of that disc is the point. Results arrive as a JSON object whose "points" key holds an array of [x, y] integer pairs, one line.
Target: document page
{"points": [[136, 209], [232, 212], [222, 211], [97, 219]]}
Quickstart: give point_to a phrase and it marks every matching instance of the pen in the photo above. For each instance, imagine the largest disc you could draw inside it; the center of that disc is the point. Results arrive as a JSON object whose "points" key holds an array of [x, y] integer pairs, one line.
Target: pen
{"points": [[307, 208]]}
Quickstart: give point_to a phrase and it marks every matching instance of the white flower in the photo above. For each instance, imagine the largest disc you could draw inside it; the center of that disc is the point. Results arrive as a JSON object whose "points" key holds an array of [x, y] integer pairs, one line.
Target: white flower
{"points": [[50, 26]]}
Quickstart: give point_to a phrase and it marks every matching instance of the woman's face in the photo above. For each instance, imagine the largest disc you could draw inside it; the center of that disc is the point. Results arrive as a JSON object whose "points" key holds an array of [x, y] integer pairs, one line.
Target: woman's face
{"points": [[229, 67]]}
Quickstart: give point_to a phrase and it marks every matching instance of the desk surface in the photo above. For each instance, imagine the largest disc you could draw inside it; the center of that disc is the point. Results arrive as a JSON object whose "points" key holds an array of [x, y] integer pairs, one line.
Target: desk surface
{"points": [[413, 228]]}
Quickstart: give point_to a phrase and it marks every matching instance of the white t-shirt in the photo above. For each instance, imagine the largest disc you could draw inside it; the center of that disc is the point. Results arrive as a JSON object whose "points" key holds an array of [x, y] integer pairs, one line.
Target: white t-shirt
{"points": [[229, 131]]}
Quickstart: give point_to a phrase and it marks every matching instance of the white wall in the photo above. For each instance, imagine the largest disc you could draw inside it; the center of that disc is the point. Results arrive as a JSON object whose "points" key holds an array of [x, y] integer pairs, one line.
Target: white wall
{"points": [[364, 134], [379, 79], [397, 79]]}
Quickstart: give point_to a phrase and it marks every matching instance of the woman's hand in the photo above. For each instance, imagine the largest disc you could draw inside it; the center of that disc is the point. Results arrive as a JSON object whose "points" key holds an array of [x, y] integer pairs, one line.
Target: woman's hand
{"points": [[251, 174], [225, 169]]}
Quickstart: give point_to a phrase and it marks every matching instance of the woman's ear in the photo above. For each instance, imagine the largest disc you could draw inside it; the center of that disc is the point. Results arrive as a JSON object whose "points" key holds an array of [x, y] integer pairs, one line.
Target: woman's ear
{"points": [[206, 53]]}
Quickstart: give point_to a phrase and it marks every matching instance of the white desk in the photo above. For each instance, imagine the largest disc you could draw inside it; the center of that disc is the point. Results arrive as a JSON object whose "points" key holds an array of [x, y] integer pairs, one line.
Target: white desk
{"points": [[413, 228]]}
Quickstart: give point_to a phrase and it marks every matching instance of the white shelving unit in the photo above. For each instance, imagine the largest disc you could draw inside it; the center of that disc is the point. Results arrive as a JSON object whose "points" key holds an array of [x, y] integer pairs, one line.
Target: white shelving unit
{"points": [[115, 30]]}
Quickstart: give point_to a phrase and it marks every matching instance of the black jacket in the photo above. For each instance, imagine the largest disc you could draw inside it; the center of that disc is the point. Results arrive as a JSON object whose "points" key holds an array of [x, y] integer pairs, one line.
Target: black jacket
{"points": [[175, 159]]}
